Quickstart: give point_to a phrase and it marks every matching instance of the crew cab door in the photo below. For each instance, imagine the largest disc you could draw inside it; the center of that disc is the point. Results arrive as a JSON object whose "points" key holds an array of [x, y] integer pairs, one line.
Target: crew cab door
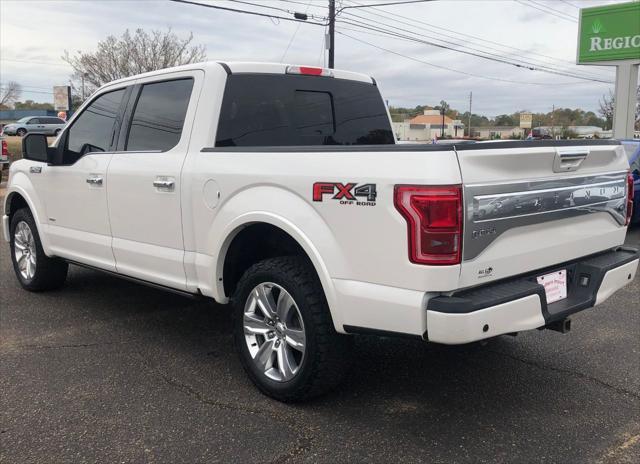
{"points": [[144, 178], [75, 187]]}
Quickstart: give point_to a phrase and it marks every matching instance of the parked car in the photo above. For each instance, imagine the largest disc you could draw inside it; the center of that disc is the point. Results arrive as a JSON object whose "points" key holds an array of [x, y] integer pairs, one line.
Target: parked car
{"points": [[279, 189], [632, 146], [4, 155], [47, 125]]}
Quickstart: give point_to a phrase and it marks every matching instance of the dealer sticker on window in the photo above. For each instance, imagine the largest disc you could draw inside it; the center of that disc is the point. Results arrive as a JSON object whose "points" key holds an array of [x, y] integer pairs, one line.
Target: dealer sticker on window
{"points": [[555, 285]]}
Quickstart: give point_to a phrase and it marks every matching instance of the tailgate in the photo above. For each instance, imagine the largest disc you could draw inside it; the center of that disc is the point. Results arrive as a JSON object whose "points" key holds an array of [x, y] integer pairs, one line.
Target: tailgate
{"points": [[530, 205]]}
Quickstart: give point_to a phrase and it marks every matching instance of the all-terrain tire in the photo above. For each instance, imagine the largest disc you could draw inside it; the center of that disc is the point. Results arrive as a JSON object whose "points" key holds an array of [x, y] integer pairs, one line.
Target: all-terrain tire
{"points": [[44, 273], [327, 354]]}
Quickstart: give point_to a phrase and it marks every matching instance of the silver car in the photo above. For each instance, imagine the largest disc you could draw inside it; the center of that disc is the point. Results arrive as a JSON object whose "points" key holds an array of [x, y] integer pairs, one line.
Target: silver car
{"points": [[48, 125]]}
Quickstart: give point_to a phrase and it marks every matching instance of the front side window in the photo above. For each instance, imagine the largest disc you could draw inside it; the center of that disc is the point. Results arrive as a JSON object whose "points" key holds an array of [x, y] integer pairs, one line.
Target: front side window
{"points": [[34, 121], [159, 115], [92, 131]]}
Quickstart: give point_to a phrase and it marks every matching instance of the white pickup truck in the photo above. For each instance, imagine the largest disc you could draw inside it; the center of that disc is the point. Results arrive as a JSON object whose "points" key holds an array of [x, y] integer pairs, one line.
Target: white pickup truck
{"points": [[279, 189]]}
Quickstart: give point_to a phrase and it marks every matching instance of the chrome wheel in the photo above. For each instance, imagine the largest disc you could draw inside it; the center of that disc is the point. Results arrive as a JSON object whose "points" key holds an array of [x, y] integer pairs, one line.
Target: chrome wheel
{"points": [[25, 250], [274, 331]]}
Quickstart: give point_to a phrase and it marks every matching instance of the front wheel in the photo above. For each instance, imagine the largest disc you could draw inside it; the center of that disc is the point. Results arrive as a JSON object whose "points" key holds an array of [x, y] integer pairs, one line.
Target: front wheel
{"points": [[284, 333], [35, 270], [21, 132]]}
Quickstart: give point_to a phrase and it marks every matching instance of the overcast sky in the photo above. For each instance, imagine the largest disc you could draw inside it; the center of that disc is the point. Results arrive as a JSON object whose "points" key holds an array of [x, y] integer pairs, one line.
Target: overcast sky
{"points": [[34, 35]]}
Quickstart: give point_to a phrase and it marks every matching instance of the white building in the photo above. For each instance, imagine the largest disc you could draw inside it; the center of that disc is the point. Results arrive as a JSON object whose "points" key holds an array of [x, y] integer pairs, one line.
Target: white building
{"points": [[426, 127]]}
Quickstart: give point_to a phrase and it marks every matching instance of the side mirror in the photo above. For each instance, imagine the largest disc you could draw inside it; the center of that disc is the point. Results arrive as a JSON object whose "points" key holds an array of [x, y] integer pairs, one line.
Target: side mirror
{"points": [[36, 148]]}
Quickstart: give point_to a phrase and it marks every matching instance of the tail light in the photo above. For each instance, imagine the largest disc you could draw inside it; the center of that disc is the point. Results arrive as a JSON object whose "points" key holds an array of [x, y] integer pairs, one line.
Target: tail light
{"points": [[434, 222], [309, 71], [629, 198], [5, 149]]}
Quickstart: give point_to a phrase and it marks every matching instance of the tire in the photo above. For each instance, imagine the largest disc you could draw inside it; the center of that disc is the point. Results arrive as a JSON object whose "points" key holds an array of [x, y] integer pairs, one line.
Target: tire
{"points": [[21, 132], [315, 366], [35, 271]]}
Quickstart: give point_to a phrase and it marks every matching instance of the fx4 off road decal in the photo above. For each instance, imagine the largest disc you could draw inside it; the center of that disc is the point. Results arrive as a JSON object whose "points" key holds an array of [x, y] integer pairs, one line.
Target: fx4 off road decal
{"points": [[347, 194]]}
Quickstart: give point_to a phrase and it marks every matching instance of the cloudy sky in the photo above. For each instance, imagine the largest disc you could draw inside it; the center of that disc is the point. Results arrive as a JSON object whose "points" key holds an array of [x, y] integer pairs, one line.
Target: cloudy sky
{"points": [[34, 35]]}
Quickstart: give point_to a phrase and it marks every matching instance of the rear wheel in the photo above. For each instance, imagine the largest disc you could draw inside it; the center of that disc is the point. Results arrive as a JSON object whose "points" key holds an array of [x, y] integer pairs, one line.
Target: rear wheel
{"points": [[35, 271], [284, 333]]}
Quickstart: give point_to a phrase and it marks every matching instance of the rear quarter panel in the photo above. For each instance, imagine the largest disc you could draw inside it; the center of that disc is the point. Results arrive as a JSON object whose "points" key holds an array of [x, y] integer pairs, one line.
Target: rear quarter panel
{"points": [[347, 241]]}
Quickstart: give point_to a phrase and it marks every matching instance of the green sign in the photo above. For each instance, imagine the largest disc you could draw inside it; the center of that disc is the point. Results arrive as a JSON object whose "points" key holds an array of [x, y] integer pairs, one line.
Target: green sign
{"points": [[609, 33]]}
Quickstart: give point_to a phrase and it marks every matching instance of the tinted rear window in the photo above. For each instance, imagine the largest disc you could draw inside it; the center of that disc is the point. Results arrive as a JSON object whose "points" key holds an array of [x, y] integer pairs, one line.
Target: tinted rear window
{"points": [[159, 115], [262, 110]]}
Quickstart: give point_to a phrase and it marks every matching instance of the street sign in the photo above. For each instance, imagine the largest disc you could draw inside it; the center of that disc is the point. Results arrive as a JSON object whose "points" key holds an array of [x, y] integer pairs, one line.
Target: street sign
{"points": [[609, 33], [525, 120], [62, 97]]}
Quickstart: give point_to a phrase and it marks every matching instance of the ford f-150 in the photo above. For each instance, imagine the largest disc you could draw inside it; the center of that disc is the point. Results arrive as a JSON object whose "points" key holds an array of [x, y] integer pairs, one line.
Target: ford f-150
{"points": [[280, 189]]}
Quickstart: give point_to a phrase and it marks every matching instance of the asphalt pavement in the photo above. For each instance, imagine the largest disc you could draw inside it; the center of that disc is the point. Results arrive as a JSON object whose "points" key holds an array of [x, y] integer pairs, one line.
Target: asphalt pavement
{"points": [[105, 370]]}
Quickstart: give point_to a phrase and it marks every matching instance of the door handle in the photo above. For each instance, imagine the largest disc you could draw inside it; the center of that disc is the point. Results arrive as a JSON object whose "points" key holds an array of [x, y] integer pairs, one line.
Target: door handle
{"points": [[94, 180], [164, 184]]}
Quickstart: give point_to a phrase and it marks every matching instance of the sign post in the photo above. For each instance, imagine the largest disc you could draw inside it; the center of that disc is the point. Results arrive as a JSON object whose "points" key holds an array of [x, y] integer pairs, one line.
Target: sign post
{"points": [[526, 120], [610, 36], [62, 97]]}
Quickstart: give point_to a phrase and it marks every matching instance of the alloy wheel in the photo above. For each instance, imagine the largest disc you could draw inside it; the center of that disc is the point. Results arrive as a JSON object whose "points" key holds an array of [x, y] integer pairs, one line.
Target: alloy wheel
{"points": [[25, 250], [274, 331]]}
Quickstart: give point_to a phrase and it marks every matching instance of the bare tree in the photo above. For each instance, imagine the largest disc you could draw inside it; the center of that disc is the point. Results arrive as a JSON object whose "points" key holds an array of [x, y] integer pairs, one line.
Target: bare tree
{"points": [[10, 93], [608, 104], [129, 54]]}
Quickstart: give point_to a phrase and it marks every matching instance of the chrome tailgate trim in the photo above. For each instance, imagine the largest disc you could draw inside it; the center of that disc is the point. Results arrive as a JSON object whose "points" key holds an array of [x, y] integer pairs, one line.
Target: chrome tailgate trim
{"points": [[492, 209]]}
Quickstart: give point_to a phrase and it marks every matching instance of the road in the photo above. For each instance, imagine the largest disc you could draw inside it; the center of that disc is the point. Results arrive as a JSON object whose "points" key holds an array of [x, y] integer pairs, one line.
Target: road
{"points": [[108, 371]]}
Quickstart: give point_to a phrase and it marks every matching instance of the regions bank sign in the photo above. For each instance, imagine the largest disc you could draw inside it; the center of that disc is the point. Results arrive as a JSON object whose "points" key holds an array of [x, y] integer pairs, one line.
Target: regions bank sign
{"points": [[609, 33]]}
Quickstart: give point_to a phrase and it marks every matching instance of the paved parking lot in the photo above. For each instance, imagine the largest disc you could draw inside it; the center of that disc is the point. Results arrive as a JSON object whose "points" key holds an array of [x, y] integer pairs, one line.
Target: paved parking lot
{"points": [[109, 371]]}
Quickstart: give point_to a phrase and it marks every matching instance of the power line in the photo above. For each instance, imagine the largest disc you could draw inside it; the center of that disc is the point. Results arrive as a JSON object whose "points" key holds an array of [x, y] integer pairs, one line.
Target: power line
{"points": [[49, 63], [471, 53], [498, 57], [542, 5], [386, 14], [385, 4], [254, 13], [274, 8], [530, 4], [440, 66], [294, 35], [569, 3]]}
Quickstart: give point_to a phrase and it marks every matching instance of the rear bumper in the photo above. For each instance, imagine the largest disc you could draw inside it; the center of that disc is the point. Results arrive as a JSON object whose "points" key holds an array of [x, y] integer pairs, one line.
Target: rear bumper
{"points": [[520, 304]]}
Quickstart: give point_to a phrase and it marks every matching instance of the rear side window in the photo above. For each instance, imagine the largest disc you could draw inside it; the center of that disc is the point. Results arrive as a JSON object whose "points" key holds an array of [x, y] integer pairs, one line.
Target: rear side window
{"points": [[261, 110], [159, 115]]}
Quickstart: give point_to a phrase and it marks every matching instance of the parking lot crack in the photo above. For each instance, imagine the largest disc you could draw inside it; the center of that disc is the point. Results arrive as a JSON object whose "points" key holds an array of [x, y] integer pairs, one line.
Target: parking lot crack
{"points": [[71, 345], [577, 374]]}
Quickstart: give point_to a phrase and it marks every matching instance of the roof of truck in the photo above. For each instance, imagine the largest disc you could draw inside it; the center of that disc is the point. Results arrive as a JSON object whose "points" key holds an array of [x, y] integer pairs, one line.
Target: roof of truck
{"points": [[232, 67]]}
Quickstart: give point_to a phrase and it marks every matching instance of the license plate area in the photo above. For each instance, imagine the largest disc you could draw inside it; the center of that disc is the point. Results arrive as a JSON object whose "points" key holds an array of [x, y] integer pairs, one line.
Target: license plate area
{"points": [[555, 285]]}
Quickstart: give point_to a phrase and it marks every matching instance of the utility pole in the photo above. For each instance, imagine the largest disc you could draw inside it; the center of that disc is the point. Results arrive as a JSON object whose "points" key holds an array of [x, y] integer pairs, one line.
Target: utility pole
{"points": [[332, 33], [470, 99]]}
